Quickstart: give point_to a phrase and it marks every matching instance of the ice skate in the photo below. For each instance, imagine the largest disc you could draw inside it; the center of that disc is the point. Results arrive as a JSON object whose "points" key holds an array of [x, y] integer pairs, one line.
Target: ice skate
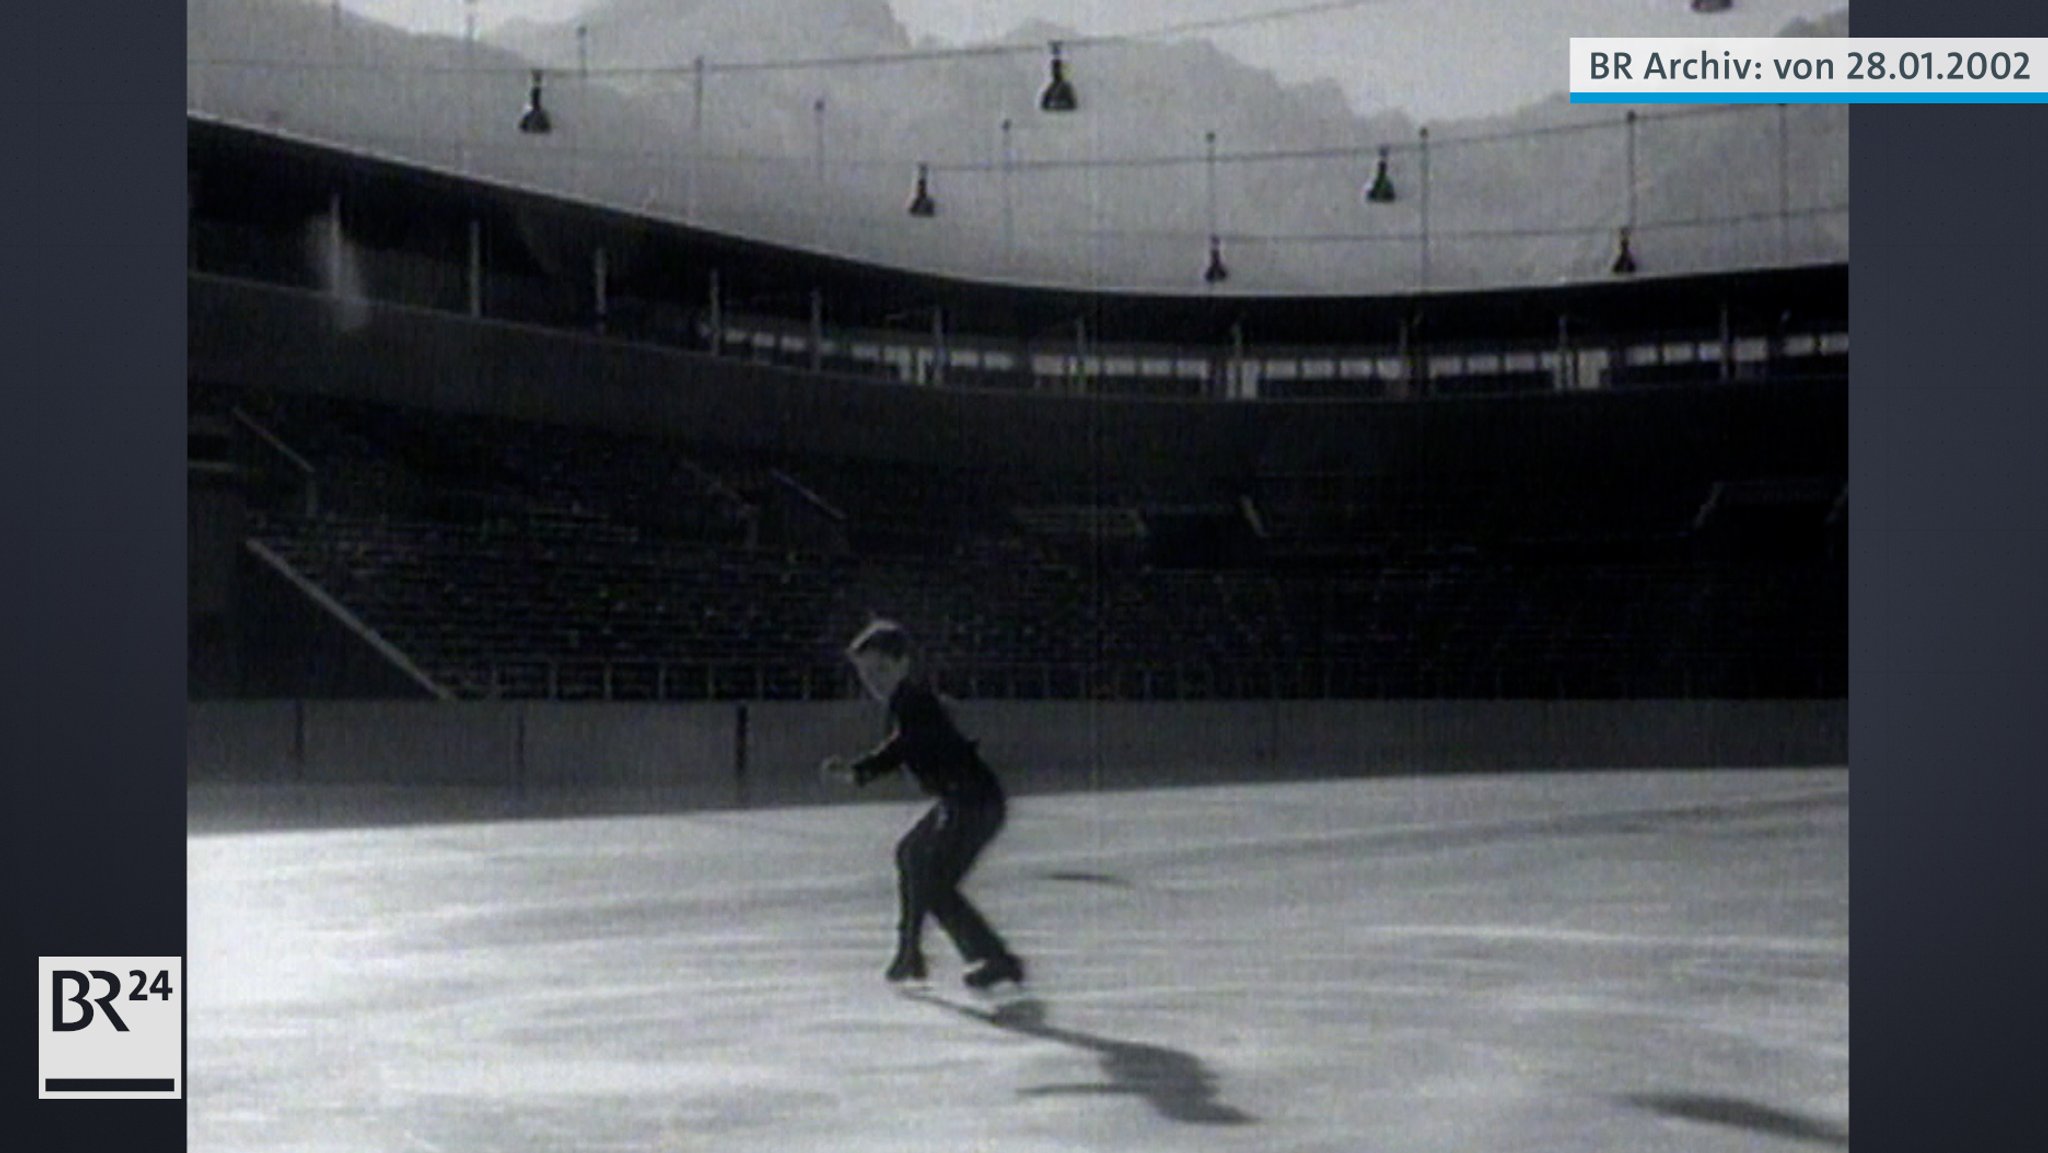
{"points": [[996, 971], [907, 969]]}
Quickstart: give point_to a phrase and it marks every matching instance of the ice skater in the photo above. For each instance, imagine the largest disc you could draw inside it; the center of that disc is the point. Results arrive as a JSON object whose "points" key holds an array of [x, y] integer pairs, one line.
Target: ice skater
{"points": [[935, 856]]}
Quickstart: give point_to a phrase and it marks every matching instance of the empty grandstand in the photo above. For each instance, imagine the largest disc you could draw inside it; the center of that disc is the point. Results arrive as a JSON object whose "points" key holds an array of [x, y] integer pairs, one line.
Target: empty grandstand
{"points": [[449, 435]]}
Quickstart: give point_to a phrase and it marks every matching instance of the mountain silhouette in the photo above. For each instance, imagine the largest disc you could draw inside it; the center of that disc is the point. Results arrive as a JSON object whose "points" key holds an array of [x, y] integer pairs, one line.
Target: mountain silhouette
{"points": [[1114, 195]]}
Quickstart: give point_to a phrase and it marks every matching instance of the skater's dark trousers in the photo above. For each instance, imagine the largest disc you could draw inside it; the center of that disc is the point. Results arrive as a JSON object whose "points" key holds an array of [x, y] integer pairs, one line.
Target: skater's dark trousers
{"points": [[931, 861]]}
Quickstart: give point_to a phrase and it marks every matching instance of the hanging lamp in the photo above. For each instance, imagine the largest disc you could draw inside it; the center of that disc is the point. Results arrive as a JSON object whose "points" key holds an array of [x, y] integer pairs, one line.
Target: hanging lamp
{"points": [[535, 120], [1059, 91], [921, 202], [1217, 272], [1625, 260], [1382, 190]]}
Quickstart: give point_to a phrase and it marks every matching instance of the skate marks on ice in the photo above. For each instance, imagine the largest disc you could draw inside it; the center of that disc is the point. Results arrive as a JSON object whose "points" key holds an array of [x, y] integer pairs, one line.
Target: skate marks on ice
{"points": [[1083, 877], [1178, 1085], [1751, 817], [1737, 1113]]}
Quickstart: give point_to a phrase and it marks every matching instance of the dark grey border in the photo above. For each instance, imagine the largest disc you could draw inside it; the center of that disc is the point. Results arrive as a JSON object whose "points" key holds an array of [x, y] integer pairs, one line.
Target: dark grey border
{"points": [[1948, 655], [1948, 621], [92, 484]]}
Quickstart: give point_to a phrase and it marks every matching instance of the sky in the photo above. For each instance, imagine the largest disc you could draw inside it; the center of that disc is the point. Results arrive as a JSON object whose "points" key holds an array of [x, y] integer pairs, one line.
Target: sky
{"points": [[1434, 59]]}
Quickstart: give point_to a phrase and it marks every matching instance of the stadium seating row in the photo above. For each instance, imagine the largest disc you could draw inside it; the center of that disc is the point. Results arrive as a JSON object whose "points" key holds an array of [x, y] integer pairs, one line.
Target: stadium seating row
{"points": [[511, 558]]}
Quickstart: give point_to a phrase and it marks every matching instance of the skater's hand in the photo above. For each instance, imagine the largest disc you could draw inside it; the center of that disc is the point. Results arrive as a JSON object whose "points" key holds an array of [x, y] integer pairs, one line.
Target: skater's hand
{"points": [[835, 768]]}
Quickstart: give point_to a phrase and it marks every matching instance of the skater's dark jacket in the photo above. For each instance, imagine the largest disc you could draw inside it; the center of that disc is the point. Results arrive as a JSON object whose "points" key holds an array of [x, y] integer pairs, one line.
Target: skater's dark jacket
{"points": [[925, 741]]}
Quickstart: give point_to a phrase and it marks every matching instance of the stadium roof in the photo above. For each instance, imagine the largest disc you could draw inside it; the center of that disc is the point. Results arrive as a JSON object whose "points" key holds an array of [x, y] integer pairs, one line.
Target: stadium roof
{"points": [[231, 159]]}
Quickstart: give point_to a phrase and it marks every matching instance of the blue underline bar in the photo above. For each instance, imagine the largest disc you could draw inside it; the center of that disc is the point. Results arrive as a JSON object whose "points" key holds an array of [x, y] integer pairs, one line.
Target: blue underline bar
{"points": [[1810, 98]]}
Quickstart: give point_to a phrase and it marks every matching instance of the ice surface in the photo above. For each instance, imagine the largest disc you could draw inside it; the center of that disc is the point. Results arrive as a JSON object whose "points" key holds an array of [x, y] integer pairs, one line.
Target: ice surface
{"points": [[1628, 962]]}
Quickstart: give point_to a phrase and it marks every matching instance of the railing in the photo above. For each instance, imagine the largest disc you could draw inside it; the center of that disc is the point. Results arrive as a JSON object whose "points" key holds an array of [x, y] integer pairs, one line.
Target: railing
{"points": [[644, 680], [648, 681], [307, 476], [1084, 367], [1358, 372]]}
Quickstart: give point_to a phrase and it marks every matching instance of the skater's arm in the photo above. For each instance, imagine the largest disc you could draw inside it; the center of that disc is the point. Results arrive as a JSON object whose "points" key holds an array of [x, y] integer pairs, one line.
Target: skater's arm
{"points": [[921, 733], [881, 762]]}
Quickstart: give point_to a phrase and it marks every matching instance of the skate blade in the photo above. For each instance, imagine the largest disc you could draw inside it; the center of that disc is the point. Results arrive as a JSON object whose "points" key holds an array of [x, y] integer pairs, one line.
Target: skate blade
{"points": [[1000, 993], [1008, 1007]]}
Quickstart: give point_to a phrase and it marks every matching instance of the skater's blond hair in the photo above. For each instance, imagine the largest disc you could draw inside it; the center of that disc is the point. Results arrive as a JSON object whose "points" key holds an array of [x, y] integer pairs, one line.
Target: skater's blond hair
{"points": [[884, 637]]}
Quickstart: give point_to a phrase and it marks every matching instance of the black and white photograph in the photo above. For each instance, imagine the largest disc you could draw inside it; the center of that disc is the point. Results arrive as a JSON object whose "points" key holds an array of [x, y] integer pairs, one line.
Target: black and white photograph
{"points": [[1022, 576]]}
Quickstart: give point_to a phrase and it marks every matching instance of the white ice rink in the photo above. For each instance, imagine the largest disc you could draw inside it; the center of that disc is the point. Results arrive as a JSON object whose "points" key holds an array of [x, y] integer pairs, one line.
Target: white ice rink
{"points": [[1559, 963]]}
